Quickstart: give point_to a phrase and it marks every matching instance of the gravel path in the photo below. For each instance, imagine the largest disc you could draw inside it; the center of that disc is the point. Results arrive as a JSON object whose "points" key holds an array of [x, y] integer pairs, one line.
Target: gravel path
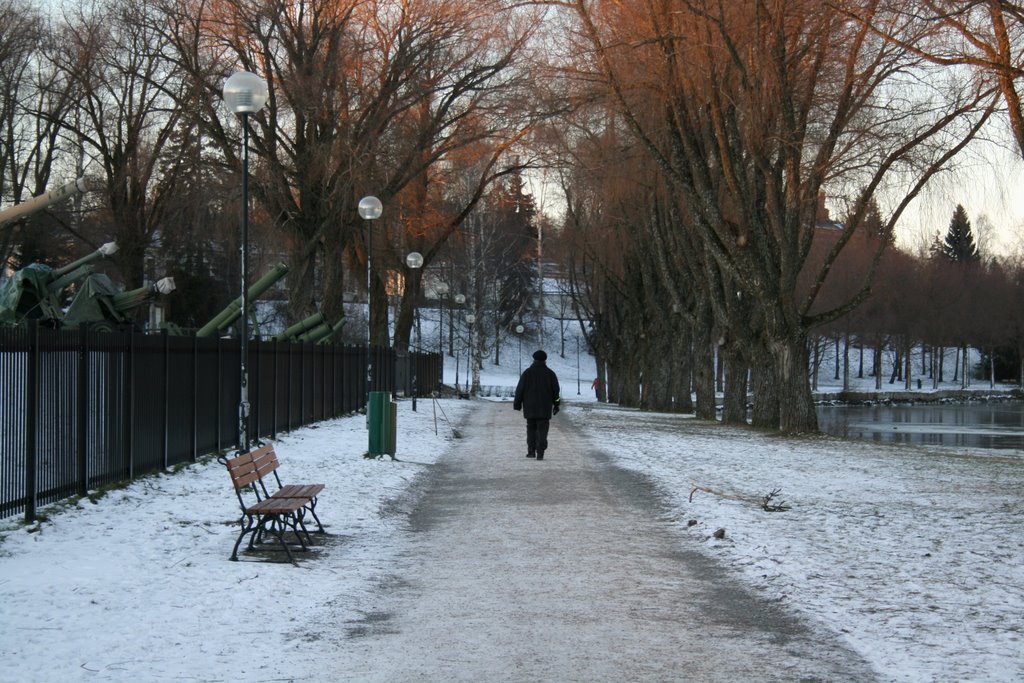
{"points": [[565, 570]]}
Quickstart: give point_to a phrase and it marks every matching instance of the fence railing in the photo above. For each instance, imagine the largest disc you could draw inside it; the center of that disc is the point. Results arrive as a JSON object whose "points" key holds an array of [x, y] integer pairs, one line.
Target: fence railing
{"points": [[82, 409]]}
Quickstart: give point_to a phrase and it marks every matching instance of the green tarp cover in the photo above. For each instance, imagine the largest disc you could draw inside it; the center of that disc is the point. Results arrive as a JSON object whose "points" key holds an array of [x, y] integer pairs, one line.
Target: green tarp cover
{"points": [[93, 302], [25, 295]]}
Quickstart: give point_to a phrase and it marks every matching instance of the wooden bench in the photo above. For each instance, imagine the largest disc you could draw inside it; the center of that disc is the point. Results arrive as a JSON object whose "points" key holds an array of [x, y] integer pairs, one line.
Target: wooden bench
{"points": [[273, 510]]}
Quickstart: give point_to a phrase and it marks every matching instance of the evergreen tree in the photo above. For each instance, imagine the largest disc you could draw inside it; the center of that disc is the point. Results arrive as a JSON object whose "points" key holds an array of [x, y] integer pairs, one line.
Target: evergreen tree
{"points": [[959, 243], [517, 262]]}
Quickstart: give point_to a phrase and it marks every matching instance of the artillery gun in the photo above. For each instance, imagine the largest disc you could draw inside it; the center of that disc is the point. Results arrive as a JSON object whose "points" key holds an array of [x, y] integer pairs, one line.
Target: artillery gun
{"points": [[99, 302], [324, 333], [233, 310], [301, 327], [13, 213], [315, 329], [37, 291]]}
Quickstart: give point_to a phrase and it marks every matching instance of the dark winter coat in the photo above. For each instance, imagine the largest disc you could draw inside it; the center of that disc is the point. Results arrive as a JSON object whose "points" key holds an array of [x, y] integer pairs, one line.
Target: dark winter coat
{"points": [[537, 393]]}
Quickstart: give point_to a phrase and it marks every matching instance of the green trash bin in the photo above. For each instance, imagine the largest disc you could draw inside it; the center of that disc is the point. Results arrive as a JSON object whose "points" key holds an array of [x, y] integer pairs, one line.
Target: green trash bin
{"points": [[382, 416]]}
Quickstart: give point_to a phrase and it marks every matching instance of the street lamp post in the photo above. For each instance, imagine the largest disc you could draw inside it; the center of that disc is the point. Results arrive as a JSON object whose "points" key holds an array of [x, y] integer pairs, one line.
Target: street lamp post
{"points": [[244, 93], [442, 291], [370, 210], [519, 332], [459, 299], [415, 261]]}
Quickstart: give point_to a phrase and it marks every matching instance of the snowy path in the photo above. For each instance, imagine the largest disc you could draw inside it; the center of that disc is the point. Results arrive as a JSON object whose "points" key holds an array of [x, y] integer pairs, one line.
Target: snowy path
{"points": [[564, 570]]}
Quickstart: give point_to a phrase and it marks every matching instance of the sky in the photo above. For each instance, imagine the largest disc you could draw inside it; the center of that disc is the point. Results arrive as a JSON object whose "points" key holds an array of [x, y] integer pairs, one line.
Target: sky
{"points": [[988, 180], [913, 557]]}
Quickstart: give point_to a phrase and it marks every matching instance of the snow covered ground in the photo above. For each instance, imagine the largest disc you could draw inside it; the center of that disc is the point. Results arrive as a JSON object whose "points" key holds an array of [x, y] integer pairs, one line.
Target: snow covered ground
{"points": [[915, 556]]}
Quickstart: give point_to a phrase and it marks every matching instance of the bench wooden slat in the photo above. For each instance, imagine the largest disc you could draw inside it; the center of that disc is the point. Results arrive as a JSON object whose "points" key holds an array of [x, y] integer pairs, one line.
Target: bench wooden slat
{"points": [[276, 506], [299, 490], [242, 470], [265, 459]]}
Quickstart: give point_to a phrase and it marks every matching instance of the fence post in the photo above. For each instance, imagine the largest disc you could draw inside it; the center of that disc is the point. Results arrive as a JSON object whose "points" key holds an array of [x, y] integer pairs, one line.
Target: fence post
{"points": [[255, 388], [220, 390], [288, 394], [334, 379], [81, 442], [166, 398], [323, 379], [275, 384], [195, 399], [302, 383], [31, 412], [130, 405]]}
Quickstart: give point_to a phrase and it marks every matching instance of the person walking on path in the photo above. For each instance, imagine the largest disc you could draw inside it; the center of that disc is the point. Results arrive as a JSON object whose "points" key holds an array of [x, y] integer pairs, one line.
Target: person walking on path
{"points": [[538, 396]]}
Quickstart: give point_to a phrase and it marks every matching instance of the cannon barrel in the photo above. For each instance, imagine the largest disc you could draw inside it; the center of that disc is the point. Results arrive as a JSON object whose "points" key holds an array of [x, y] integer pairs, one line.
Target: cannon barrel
{"points": [[335, 329], [316, 334], [233, 310], [126, 301], [40, 202], [107, 249], [301, 326]]}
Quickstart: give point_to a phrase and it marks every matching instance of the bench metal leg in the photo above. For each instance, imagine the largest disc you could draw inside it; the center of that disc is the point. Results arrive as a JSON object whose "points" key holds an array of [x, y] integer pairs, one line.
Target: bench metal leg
{"points": [[255, 526], [311, 508]]}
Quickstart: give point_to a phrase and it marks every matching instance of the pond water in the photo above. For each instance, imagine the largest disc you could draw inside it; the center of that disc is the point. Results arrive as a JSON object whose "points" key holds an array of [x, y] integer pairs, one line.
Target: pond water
{"points": [[997, 425]]}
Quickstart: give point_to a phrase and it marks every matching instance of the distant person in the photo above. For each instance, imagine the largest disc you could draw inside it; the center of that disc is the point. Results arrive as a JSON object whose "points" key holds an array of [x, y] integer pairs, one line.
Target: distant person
{"points": [[538, 396]]}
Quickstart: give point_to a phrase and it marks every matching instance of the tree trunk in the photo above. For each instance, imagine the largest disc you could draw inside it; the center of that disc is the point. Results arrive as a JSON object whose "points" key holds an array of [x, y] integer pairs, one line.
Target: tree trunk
{"points": [[846, 362], [963, 370], [816, 364], [497, 344], [835, 374], [719, 371], [877, 360], [682, 368], [600, 391], [404, 316], [704, 377], [300, 289], [908, 364], [796, 406], [734, 408], [379, 335], [766, 404]]}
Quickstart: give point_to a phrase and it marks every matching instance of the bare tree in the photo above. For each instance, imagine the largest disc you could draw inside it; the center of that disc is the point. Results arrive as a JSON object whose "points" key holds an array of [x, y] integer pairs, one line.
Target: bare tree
{"points": [[125, 116], [758, 106], [33, 103], [986, 35], [365, 98]]}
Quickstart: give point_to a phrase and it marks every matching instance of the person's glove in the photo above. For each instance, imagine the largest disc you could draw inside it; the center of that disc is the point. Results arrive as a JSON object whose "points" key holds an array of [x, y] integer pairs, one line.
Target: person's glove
{"points": [[554, 411]]}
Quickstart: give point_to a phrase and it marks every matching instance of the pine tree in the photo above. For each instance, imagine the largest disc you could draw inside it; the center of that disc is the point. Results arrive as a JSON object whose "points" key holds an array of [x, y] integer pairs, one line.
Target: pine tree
{"points": [[959, 243], [517, 262]]}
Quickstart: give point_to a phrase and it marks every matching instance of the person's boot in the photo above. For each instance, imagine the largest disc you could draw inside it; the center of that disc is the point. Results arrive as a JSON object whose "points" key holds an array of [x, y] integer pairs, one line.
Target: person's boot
{"points": [[540, 455], [531, 454]]}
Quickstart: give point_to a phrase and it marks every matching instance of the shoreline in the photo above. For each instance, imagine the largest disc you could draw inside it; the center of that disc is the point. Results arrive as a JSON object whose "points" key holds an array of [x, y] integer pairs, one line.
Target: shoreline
{"points": [[855, 397]]}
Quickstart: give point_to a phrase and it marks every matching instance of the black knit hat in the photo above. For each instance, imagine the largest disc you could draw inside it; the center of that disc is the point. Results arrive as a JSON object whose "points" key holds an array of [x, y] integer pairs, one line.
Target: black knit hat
{"points": [[540, 355]]}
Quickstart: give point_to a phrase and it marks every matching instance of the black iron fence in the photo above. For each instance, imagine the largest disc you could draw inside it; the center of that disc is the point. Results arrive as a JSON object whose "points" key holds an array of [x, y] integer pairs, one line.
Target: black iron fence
{"points": [[81, 409]]}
